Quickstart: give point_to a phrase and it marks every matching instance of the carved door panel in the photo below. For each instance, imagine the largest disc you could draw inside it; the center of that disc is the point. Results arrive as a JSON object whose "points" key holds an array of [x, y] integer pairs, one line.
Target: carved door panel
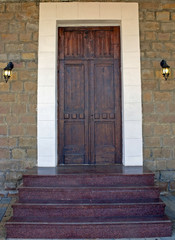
{"points": [[89, 108]]}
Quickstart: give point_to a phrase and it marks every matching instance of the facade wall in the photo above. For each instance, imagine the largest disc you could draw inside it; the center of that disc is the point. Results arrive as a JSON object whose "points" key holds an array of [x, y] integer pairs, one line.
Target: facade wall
{"points": [[19, 24]]}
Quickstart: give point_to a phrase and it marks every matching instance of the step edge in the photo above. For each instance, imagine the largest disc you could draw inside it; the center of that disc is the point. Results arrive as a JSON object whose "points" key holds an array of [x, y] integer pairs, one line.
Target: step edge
{"points": [[88, 204], [90, 223], [91, 187]]}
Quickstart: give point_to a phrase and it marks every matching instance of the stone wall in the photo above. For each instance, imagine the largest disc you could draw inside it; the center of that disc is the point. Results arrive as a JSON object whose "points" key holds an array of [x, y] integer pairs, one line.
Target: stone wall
{"points": [[19, 43], [157, 34]]}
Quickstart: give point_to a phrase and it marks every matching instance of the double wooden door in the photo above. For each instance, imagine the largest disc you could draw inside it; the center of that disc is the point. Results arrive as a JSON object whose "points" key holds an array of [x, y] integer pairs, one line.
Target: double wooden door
{"points": [[89, 96]]}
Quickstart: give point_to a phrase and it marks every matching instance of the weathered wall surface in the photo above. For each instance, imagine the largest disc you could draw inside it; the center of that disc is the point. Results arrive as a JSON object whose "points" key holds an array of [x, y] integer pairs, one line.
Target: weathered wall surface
{"points": [[19, 44], [18, 113], [157, 34]]}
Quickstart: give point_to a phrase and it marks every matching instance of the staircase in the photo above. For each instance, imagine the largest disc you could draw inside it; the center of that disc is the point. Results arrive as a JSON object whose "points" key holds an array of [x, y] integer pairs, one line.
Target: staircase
{"points": [[88, 202]]}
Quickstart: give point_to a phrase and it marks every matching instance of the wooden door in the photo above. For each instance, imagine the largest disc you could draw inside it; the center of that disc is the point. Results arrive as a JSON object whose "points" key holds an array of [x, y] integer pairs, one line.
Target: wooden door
{"points": [[89, 96]]}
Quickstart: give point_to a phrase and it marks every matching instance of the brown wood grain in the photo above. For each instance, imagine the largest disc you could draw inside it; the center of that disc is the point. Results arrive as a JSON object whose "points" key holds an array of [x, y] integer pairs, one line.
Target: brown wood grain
{"points": [[89, 96]]}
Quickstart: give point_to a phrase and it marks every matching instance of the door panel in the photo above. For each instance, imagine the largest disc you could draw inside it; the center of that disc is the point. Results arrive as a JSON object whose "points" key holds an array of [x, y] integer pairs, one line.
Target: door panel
{"points": [[73, 105], [74, 88], [74, 142], [104, 88], [103, 43], [89, 103]]}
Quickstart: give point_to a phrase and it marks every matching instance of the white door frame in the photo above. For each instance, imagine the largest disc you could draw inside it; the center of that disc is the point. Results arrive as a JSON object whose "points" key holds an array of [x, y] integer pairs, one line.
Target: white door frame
{"points": [[125, 15]]}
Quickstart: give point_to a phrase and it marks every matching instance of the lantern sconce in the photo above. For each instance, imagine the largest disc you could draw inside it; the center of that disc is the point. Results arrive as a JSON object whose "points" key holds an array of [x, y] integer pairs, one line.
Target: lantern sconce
{"points": [[8, 71], [165, 69]]}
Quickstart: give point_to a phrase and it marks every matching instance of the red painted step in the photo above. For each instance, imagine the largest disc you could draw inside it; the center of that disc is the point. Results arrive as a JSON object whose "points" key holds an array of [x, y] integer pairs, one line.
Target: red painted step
{"points": [[88, 210], [89, 202], [101, 180], [104, 228], [93, 194]]}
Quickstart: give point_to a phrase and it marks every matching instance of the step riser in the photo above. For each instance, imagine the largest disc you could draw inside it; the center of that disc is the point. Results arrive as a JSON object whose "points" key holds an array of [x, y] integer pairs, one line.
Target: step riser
{"points": [[72, 231], [88, 202], [88, 211], [111, 195], [88, 180]]}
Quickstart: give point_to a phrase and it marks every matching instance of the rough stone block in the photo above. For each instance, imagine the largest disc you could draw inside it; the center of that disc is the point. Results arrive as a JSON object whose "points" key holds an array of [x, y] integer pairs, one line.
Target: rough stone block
{"points": [[12, 176], [163, 16], [17, 86], [169, 141], [30, 87], [172, 185], [161, 107], [157, 46], [167, 176], [150, 36], [13, 7], [163, 36], [16, 27], [10, 185], [168, 118], [147, 74], [150, 26], [35, 36], [25, 37], [15, 56], [31, 47], [6, 165], [150, 5], [28, 76], [30, 163], [18, 108], [148, 108], [4, 26], [32, 153], [33, 27], [167, 27], [18, 154], [2, 7], [150, 16], [169, 85], [149, 85], [162, 129], [171, 165], [147, 130], [28, 56], [168, 6], [30, 130], [147, 96], [150, 165], [30, 119], [160, 164], [163, 186], [16, 130], [27, 142], [7, 97], [12, 47], [162, 96], [4, 153], [9, 37], [152, 142], [153, 118]]}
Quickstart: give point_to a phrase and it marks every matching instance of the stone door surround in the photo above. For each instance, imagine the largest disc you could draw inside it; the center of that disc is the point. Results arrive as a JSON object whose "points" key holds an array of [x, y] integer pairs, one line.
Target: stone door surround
{"points": [[125, 15]]}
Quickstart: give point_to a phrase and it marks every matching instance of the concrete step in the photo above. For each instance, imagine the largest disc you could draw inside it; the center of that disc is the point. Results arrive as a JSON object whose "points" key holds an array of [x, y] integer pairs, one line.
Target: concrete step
{"points": [[88, 194], [89, 179], [93, 228], [80, 202], [88, 210]]}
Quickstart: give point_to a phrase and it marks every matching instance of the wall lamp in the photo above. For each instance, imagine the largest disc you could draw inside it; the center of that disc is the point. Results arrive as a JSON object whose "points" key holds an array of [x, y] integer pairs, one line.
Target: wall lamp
{"points": [[165, 69], [8, 71]]}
